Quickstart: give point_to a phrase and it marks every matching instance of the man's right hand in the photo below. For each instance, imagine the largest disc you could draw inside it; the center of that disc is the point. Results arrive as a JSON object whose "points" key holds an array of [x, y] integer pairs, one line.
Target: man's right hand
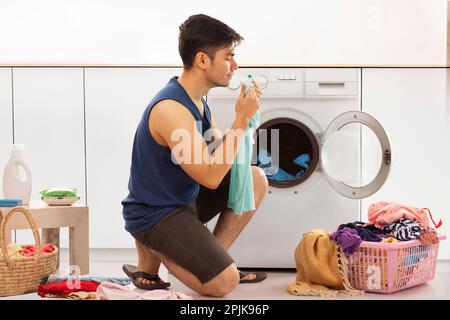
{"points": [[247, 105]]}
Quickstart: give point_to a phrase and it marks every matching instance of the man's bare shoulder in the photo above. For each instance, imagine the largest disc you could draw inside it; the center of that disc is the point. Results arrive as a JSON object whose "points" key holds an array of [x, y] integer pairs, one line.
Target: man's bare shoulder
{"points": [[166, 116], [169, 109]]}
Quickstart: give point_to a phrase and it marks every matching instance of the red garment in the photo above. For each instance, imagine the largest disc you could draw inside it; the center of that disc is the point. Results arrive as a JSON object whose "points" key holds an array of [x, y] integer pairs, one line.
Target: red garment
{"points": [[65, 287], [28, 251]]}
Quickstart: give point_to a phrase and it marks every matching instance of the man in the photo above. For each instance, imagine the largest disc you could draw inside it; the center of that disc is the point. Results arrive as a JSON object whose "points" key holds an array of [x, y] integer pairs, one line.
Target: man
{"points": [[169, 201]]}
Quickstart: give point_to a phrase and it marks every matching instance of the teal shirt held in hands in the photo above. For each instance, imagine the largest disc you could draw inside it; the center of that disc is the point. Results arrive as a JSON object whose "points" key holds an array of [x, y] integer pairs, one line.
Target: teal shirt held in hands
{"points": [[240, 196]]}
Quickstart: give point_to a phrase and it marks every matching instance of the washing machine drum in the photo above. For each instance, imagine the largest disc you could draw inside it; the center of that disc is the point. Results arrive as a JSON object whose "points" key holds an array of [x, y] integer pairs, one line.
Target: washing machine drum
{"points": [[298, 153]]}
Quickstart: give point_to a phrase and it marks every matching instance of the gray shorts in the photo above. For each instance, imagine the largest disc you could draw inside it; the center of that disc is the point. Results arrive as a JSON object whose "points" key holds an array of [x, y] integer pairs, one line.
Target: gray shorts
{"points": [[182, 236]]}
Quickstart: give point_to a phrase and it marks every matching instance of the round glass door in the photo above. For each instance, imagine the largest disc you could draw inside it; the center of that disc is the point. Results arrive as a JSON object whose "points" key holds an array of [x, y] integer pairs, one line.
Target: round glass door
{"points": [[355, 155]]}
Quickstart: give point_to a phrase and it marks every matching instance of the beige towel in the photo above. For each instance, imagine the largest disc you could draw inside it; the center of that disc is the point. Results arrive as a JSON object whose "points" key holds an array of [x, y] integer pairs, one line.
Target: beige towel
{"points": [[321, 267], [13, 250]]}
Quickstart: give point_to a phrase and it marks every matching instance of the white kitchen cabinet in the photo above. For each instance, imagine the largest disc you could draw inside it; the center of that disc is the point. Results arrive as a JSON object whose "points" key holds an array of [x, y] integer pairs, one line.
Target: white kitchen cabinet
{"points": [[49, 120], [6, 131], [115, 101], [411, 105]]}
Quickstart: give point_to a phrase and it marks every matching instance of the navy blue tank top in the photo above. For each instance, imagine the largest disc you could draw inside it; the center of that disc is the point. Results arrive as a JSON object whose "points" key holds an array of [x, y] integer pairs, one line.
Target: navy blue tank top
{"points": [[157, 185]]}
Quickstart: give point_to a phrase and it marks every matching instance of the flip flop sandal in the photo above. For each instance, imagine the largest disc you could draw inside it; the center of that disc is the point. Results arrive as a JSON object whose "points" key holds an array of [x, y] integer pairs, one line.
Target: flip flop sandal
{"points": [[155, 281], [259, 276]]}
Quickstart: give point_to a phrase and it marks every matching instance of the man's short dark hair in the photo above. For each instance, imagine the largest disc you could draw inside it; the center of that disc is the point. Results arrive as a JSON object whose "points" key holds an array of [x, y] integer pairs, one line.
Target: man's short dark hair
{"points": [[203, 33]]}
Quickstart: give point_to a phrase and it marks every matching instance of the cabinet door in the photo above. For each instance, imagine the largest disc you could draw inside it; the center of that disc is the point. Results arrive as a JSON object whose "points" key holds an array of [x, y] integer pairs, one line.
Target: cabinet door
{"points": [[49, 120], [115, 101], [6, 132], [411, 105]]}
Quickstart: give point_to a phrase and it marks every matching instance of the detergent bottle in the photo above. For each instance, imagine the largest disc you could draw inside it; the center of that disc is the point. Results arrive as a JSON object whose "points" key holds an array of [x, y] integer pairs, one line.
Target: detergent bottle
{"points": [[17, 176]]}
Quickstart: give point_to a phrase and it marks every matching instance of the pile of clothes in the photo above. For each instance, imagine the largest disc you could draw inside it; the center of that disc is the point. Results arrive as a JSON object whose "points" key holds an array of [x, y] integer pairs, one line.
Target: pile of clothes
{"points": [[388, 222], [101, 288], [276, 173], [321, 257]]}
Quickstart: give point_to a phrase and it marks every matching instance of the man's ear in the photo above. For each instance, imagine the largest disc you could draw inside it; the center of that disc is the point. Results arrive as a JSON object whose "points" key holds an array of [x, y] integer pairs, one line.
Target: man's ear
{"points": [[202, 60]]}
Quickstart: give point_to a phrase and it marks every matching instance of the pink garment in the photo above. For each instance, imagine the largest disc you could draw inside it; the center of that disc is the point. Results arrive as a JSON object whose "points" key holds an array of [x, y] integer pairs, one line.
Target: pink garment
{"points": [[113, 291], [28, 251], [385, 213]]}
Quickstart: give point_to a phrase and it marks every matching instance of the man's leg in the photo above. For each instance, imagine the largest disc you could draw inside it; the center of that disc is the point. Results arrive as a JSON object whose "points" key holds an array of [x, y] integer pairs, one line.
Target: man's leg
{"points": [[147, 262], [219, 286], [230, 225]]}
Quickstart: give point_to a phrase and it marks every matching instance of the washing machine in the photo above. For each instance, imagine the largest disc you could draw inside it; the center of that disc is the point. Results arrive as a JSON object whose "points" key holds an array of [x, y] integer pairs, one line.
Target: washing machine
{"points": [[313, 114]]}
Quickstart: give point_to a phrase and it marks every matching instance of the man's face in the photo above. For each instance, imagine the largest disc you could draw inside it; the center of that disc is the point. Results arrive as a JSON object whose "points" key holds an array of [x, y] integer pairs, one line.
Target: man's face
{"points": [[222, 67]]}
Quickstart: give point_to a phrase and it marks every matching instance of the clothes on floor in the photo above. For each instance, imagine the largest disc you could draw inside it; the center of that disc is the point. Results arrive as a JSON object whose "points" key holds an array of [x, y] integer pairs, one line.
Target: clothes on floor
{"points": [[321, 267], [385, 213], [348, 239], [55, 279], [404, 229], [112, 291], [241, 198], [63, 288], [79, 295]]}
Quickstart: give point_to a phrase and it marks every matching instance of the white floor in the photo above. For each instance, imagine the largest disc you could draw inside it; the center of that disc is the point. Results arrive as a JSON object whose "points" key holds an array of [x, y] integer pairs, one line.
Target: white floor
{"points": [[273, 288]]}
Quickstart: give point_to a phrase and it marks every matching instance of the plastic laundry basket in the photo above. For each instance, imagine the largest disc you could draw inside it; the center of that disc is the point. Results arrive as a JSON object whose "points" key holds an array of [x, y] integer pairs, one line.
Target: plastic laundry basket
{"points": [[390, 267]]}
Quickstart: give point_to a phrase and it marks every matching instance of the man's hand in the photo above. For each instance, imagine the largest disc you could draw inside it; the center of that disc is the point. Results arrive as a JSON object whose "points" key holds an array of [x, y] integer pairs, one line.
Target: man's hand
{"points": [[247, 104], [258, 89]]}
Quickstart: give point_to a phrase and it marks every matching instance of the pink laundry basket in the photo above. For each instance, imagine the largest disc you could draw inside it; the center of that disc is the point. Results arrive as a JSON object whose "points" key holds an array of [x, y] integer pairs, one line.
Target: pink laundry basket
{"points": [[390, 267]]}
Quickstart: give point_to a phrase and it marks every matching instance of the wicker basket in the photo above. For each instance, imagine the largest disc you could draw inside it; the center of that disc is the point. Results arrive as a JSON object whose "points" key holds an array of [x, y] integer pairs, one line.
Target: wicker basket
{"points": [[20, 275]]}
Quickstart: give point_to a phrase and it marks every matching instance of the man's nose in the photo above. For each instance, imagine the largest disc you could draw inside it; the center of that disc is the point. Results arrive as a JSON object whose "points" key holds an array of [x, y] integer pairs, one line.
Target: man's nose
{"points": [[234, 66]]}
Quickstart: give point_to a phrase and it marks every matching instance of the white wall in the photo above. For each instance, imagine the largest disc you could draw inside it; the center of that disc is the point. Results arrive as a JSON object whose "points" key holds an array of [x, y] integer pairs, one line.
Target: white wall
{"points": [[401, 32], [6, 123]]}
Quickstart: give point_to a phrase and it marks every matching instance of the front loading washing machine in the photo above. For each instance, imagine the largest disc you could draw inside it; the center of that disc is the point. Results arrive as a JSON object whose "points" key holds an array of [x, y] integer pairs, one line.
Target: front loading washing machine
{"points": [[313, 114]]}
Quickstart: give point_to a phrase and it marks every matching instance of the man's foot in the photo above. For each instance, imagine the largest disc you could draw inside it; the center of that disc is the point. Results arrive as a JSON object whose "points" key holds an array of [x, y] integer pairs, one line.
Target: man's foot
{"points": [[252, 277], [143, 280]]}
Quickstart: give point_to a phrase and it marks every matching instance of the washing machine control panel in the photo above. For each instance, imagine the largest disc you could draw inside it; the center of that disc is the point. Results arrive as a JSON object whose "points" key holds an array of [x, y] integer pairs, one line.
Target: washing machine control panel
{"points": [[295, 83], [275, 82]]}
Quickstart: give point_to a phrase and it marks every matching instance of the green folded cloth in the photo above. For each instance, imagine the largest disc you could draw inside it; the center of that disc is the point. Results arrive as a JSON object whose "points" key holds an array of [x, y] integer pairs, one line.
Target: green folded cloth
{"points": [[59, 193]]}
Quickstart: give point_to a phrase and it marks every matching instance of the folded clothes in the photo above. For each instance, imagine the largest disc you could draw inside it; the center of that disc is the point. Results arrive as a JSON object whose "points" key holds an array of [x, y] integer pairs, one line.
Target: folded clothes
{"points": [[29, 251], [16, 250]]}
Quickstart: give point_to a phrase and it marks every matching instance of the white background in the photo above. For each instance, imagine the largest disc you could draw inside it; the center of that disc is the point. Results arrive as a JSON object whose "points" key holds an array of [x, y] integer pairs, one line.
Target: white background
{"points": [[400, 32]]}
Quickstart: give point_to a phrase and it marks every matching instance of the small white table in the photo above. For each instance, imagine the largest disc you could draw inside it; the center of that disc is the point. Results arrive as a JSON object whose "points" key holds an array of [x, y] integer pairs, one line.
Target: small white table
{"points": [[50, 219]]}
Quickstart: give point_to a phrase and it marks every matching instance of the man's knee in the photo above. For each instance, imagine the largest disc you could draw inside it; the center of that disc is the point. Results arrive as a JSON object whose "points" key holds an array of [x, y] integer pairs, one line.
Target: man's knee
{"points": [[223, 283], [260, 182]]}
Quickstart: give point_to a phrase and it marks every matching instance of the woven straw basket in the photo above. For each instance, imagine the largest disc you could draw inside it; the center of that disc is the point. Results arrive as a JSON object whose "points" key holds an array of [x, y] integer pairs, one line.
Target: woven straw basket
{"points": [[20, 275]]}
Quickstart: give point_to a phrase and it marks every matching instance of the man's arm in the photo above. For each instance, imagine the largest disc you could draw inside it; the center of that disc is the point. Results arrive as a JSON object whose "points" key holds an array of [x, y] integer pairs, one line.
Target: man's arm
{"points": [[174, 126]]}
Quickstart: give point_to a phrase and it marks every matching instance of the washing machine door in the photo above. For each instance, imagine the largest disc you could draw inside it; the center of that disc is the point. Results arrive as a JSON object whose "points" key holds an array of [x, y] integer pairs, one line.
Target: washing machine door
{"points": [[345, 156]]}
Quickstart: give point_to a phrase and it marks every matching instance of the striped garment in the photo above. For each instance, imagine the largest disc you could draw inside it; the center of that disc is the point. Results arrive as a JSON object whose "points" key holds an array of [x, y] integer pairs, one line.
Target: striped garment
{"points": [[403, 229]]}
